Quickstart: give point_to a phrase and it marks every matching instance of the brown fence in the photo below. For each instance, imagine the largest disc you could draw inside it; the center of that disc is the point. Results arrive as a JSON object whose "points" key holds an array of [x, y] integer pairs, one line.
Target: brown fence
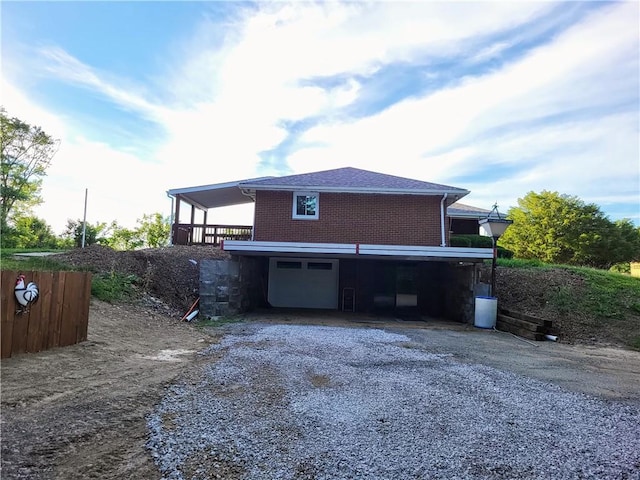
{"points": [[58, 318]]}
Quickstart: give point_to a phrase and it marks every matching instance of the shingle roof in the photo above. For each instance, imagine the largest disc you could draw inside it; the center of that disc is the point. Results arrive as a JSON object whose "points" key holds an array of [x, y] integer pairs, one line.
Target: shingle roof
{"points": [[350, 179]]}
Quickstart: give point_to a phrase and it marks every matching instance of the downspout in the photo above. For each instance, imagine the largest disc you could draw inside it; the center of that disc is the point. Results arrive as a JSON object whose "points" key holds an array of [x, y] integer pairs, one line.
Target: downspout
{"points": [[442, 234], [171, 218]]}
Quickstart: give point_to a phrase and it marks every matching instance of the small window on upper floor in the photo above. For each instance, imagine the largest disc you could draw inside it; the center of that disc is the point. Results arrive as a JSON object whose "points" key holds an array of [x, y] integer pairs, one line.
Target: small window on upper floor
{"points": [[305, 205]]}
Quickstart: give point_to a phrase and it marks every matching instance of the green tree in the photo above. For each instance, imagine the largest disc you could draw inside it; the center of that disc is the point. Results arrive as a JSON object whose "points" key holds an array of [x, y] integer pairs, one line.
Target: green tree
{"points": [[27, 152], [154, 230], [94, 234], [558, 228], [121, 238], [33, 232]]}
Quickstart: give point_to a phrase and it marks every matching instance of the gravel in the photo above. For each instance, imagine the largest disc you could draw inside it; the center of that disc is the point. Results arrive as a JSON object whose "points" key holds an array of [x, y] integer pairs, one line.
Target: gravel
{"points": [[317, 402]]}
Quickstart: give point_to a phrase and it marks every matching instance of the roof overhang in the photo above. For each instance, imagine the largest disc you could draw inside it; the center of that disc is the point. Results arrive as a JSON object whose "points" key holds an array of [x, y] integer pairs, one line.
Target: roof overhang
{"points": [[456, 193], [215, 195], [354, 250]]}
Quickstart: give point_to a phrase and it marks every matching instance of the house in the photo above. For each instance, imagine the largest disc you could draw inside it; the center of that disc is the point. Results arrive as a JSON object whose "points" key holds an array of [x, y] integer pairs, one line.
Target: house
{"points": [[346, 239], [463, 219]]}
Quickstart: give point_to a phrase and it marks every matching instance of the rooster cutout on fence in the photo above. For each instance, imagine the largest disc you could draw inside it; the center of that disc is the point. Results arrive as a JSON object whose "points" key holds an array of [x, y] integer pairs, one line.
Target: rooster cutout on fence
{"points": [[25, 295]]}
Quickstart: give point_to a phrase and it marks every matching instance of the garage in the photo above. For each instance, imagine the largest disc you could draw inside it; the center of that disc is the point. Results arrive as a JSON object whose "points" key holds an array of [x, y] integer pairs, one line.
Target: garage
{"points": [[303, 282]]}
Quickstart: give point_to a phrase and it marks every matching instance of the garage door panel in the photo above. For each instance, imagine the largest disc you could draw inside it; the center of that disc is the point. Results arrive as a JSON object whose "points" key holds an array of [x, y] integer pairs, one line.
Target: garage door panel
{"points": [[303, 283]]}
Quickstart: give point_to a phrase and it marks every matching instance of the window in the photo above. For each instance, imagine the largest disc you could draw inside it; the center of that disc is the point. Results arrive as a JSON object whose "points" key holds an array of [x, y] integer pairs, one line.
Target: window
{"points": [[319, 266], [305, 205], [290, 265]]}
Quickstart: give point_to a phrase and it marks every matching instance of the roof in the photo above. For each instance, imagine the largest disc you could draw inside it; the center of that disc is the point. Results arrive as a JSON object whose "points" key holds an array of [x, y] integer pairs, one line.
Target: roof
{"points": [[459, 210], [214, 195], [352, 180], [344, 180]]}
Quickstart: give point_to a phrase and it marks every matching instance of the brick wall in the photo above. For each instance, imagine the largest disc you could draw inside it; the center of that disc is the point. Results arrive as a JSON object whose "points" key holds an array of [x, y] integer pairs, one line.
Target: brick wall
{"points": [[351, 218]]}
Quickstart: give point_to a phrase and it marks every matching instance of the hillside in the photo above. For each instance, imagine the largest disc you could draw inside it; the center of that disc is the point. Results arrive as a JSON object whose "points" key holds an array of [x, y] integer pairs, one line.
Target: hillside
{"points": [[587, 307]]}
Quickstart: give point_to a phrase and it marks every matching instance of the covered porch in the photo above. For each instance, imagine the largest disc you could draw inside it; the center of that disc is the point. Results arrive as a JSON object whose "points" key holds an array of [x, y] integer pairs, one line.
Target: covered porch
{"points": [[190, 211]]}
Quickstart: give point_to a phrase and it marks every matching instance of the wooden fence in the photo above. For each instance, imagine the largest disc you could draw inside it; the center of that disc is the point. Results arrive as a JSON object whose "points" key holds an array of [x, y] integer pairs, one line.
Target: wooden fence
{"points": [[60, 316]]}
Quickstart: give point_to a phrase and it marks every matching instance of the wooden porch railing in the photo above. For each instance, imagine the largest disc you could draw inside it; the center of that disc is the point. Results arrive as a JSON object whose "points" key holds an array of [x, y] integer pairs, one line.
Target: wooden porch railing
{"points": [[202, 234]]}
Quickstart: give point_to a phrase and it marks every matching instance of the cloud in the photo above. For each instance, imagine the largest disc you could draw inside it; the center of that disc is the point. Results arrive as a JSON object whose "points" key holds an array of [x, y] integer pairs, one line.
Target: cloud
{"points": [[552, 116], [237, 87]]}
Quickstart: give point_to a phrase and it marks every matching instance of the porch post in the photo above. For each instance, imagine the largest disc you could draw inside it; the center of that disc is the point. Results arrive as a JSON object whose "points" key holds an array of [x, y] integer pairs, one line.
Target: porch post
{"points": [[176, 221]]}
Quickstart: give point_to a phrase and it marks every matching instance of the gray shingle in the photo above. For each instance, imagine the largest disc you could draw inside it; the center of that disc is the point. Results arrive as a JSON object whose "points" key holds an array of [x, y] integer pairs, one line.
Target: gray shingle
{"points": [[349, 178]]}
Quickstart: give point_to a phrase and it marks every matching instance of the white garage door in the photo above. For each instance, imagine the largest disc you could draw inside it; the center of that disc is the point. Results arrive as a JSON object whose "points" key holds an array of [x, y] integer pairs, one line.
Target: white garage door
{"points": [[303, 283]]}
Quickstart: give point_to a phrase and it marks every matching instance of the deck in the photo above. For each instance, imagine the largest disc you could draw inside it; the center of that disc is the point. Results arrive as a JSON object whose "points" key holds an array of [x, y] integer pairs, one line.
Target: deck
{"points": [[203, 234]]}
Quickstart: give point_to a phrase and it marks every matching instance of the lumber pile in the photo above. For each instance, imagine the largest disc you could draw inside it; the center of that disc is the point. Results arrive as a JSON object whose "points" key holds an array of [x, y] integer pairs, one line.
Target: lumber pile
{"points": [[525, 326]]}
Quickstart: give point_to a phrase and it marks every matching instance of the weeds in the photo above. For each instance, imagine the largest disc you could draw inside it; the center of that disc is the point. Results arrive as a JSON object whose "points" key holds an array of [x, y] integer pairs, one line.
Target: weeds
{"points": [[563, 300], [113, 287]]}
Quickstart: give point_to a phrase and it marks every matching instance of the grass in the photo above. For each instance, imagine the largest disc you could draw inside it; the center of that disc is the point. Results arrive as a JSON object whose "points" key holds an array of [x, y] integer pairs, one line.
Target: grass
{"points": [[111, 287], [608, 303], [47, 263], [522, 263]]}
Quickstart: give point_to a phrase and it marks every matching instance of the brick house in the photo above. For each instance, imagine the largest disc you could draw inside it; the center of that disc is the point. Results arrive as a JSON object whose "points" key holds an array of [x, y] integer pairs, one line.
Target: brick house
{"points": [[346, 239]]}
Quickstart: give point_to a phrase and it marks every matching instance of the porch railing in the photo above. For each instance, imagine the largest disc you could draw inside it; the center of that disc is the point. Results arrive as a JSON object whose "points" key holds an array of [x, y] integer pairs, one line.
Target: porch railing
{"points": [[202, 234]]}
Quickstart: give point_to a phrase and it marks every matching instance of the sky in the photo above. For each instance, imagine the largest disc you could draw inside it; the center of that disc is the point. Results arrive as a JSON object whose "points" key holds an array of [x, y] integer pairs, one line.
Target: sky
{"points": [[499, 98]]}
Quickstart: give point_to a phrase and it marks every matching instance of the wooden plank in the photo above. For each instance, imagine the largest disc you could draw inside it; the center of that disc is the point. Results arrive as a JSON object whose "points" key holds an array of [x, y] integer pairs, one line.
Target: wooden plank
{"points": [[533, 327], [45, 285], [20, 322], [83, 307], [505, 327], [67, 326], [7, 308], [55, 310], [36, 327], [73, 314], [38, 319], [525, 317]]}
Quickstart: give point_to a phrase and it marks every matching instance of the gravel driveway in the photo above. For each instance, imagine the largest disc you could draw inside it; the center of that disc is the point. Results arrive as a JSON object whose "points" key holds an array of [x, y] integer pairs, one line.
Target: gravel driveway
{"points": [[325, 402]]}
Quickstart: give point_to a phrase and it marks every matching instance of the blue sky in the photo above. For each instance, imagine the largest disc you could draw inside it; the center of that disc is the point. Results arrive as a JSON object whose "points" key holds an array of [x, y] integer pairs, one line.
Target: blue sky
{"points": [[500, 98]]}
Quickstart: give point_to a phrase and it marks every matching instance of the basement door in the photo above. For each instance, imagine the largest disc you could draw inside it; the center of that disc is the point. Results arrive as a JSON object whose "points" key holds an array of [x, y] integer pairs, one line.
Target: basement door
{"points": [[303, 283]]}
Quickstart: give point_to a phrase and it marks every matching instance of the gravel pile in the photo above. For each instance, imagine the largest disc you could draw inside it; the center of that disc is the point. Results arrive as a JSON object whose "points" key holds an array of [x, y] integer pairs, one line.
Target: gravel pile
{"points": [[308, 402]]}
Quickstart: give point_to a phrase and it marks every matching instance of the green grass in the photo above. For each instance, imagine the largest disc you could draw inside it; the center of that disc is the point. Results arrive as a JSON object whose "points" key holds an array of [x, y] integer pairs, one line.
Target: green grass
{"points": [[219, 321], [609, 295], [522, 263], [113, 287], [606, 304], [9, 262]]}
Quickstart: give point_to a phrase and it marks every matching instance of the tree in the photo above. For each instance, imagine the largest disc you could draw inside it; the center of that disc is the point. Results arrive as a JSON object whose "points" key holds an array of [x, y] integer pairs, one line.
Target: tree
{"points": [[154, 230], [558, 228], [33, 232], [123, 239], [27, 152], [93, 233]]}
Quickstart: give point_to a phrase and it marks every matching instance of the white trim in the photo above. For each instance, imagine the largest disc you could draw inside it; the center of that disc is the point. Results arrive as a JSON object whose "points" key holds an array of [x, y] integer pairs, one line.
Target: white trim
{"points": [[294, 207], [355, 250]]}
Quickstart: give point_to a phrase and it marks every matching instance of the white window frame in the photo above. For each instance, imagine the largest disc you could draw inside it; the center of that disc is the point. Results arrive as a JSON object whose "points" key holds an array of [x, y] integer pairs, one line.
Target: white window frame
{"points": [[294, 209]]}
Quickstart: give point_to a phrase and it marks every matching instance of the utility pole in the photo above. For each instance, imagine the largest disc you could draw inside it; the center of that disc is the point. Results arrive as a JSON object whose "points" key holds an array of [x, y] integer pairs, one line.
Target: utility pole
{"points": [[84, 220]]}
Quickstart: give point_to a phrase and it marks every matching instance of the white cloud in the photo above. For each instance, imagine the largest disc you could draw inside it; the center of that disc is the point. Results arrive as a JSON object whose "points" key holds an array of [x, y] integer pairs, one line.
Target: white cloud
{"points": [[227, 90]]}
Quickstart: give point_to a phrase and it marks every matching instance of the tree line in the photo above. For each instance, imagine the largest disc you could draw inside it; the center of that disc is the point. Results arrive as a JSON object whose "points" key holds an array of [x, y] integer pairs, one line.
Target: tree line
{"points": [[547, 226], [27, 153]]}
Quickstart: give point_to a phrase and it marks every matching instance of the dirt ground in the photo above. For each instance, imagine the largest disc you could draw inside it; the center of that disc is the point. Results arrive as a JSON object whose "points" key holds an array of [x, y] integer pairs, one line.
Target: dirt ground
{"points": [[80, 412]]}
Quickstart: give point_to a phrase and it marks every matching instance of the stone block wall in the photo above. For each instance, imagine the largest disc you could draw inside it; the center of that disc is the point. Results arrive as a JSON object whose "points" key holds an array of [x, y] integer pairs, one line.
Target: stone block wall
{"points": [[229, 286]]}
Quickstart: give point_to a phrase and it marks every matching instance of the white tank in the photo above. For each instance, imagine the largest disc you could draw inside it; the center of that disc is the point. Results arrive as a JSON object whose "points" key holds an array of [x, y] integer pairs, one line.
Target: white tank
{"points": [[486, 312]]}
